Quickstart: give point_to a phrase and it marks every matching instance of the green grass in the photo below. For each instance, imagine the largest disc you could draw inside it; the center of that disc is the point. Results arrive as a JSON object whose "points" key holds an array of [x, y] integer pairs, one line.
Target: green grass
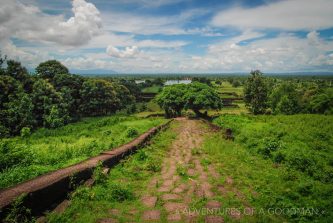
{"points": [[47, 150], [287, 160], [152, 89], [226, 87], [123, 187]]}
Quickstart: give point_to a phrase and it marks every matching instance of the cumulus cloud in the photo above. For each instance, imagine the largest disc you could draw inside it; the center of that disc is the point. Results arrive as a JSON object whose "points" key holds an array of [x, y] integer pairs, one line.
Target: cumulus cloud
{"points": [[285, 15], [128, 52], [30, 23]]}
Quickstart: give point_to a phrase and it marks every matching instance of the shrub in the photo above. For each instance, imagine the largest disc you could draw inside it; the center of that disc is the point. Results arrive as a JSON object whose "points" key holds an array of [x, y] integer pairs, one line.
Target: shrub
{"points": [[25, 132], [269, 145], [119, 192], [132, 132], [153, 165]]}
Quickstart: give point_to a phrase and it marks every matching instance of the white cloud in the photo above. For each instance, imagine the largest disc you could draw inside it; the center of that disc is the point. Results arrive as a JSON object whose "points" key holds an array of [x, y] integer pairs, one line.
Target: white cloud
{"points": [[28, 22], [148, 25], [282, 53], [128, 52], [285, 15]]}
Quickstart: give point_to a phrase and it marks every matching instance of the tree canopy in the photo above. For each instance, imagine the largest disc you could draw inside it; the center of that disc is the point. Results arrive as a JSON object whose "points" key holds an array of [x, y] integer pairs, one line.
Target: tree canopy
{"points": [[195, 96], [54, 97], [50, 68], [256, 93]]}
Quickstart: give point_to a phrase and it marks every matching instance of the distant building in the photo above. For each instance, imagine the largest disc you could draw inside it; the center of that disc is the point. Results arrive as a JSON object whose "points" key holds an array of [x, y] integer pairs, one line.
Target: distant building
{"points": [[140, 81]]}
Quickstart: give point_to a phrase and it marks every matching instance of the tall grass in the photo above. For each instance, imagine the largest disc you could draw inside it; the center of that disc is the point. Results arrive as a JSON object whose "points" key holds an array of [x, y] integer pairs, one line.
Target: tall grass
{"points": [[286, 159], [23, 158]]}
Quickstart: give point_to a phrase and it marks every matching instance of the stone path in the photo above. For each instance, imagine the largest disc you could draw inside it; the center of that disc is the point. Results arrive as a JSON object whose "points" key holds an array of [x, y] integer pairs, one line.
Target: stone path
{"points": [[183, 178]]}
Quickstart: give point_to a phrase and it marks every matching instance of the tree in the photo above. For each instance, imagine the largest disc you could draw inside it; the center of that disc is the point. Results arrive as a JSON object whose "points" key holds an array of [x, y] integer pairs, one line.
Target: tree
{"points": [[322, 102], [172, 100], [256, 93], [196, 96], [98, 98], [54, 119], [44, 97], [69, 87], [200, 96], [2, 61], [20, 73], [285, 99], [50, 68], [15, 107]]}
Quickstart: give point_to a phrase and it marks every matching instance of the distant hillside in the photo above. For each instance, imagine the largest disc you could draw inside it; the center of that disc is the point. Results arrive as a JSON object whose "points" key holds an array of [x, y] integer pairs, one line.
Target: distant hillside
{"points": [[93, 72]]}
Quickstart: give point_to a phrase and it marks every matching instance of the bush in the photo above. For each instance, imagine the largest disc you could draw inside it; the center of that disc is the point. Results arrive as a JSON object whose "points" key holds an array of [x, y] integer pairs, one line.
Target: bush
{"points": [[53, 120], [268, 146], [25, 132], [11, 155], [132, 132], [119, 192]]}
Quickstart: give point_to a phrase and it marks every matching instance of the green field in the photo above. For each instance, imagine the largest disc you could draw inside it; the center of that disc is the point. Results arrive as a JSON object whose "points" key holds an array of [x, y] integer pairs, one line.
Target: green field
{"points": [[47, 150], [226, 87], [152, 89], [287, 160]]}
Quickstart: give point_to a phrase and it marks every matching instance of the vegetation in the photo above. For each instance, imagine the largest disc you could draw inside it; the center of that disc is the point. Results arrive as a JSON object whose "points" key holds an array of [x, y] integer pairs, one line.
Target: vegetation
{"points": [[123, 187], [25, 157], [53, 97], [195, 96], [256, 93], [287, 160]]}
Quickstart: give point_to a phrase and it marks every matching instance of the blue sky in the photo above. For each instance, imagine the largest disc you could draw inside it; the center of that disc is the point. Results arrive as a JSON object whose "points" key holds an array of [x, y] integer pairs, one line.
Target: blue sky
{"points": [[161, 36]]}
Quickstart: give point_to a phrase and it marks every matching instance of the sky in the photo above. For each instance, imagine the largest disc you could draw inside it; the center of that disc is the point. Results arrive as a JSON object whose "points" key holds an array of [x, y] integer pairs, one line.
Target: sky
{"points": [[170, 36]]}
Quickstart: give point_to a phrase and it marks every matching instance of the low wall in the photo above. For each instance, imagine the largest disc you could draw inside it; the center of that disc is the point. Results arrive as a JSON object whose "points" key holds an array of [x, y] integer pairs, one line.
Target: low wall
{"points": [[45, 191]]}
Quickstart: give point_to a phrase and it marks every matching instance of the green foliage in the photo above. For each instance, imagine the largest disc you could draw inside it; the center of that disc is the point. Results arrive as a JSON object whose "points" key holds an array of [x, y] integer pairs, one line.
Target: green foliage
{"points": [[132, 132], [119, 192], [322, 102], [123, 188], [301, 142], [15, 107], [256, 93], [54, 119], [18, 213], [22, 158], [172, 100], [25, 132], [289, 185], [50, 68], [100, 98], [12, 155], [98, 174], [200, 96], [196, 96], [285, 99]]}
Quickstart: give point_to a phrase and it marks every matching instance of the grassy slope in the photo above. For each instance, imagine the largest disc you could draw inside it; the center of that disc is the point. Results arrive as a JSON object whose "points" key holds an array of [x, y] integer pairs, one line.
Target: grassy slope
{"points": [[287, 160], [122, 188], [152, 89], [47, 150]]}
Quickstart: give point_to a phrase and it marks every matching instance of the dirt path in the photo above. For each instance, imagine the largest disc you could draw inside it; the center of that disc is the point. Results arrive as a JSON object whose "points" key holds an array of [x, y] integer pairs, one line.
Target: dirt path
{"points": [[183, 178]]}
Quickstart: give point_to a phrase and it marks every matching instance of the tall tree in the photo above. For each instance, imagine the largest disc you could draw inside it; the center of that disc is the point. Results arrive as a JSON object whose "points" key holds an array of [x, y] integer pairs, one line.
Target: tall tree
{"points": [[15, 107], [50, 68], [98, 98], [44, 97], [256, 93]]}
